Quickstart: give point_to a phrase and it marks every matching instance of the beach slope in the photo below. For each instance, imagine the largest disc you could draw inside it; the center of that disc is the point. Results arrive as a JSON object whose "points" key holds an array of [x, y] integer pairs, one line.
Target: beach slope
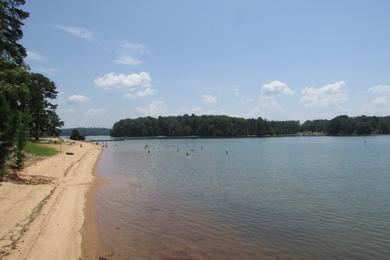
{"points": [[43, 221]]}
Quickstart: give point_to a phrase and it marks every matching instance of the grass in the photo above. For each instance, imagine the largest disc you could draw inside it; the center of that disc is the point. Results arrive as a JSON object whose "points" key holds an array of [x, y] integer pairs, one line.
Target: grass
{"points": [[39, 149]]}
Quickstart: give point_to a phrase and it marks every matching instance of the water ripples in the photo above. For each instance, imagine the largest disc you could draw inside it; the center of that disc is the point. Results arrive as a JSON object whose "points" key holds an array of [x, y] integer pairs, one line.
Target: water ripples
{"points": [[262, 201]]}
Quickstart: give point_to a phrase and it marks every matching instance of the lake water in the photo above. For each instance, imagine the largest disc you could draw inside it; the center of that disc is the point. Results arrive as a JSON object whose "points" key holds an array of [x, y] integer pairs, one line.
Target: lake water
{"points": [[265, 198]]}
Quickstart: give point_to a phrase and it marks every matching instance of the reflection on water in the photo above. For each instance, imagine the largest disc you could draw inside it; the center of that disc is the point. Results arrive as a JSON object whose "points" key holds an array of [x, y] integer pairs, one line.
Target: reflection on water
{"points": [[267, 198]]}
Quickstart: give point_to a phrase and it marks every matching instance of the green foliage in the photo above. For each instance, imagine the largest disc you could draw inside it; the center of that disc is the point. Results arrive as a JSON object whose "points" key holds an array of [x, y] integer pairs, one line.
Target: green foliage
{"points": [[86, 131], [341, 125], [319, 126], [39, 149], [383, 127], [225, 126], [212, 126], [24, 96], [8, 126], [42, 91], [76, 135], [11, 21], [21, 137], [361, 125], [53, 123], [363, 128]]}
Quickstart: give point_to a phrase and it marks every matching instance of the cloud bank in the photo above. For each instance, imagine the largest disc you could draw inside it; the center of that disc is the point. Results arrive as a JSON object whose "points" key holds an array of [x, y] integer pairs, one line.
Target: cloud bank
{"points": [[77, 99], [209, 99], [324, 96]]}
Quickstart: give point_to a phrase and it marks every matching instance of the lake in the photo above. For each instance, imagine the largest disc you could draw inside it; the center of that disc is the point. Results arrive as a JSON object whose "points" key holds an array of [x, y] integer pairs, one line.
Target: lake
{"points": [[246, 198]]}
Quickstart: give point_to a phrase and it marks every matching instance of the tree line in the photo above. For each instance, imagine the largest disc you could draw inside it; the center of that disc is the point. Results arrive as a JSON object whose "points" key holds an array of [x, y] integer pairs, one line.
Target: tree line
{"points": [[206, 125], [27, 99], [225, 126], [345, 125], [84, 131]]}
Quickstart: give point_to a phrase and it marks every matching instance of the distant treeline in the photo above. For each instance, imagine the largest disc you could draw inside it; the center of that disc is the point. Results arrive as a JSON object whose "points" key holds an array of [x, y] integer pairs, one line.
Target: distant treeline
{"points": [[345, 125], [84, 131], [220, 126]]}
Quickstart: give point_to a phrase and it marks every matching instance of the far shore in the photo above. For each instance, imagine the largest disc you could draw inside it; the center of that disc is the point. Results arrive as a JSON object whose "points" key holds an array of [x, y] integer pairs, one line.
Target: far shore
{"points": [[114, 139], [45, 220]]}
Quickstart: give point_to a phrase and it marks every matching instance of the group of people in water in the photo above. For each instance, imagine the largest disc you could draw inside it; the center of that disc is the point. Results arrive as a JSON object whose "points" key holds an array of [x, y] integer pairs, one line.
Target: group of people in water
{"points": [[148, 148], [104, 145]]}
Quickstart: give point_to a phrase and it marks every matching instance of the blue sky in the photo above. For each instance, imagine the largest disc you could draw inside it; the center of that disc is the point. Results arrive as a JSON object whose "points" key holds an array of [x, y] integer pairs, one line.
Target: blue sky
{"points": [[275, 59]]}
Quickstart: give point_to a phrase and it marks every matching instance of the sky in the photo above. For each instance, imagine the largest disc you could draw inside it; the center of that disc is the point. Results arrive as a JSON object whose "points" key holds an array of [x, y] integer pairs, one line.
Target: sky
{"points": [[279, 60]]}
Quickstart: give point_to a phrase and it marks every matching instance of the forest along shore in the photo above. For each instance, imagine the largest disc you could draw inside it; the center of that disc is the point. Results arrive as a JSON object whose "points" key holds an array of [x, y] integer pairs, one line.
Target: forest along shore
{"points": [[44, 221]]}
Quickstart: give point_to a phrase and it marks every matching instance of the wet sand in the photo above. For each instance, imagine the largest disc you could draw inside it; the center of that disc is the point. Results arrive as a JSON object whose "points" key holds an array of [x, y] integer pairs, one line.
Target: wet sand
{"points": [[44, 221], [92, 245]]}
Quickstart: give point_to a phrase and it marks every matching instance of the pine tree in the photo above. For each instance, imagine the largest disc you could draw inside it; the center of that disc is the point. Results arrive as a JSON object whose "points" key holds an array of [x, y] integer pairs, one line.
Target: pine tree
{"points": [[8, 126], [21, 137]]}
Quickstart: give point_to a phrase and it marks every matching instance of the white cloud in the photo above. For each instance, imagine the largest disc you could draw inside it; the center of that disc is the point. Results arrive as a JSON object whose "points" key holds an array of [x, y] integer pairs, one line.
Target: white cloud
{"points": [[35, 56], [276, 88], [140, 93], [122, 81], [96, 111], [77, 31], [382, 95], [265, 105], [209, 99], [136, 84], [128, 60], [236, 91], [380, 89], [380, 101], [129, 53], [267, 102], [135, 48], [77, 99], [331, 94], [154, 109]]}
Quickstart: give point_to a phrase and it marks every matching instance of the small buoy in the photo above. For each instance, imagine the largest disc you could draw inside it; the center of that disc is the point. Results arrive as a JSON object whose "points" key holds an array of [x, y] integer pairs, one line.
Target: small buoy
{"points": [[187, 154], [226, 152]]}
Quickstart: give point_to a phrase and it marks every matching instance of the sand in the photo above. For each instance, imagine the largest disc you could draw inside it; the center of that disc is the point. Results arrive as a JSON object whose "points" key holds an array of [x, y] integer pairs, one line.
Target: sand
{"points": [[45, 221]]}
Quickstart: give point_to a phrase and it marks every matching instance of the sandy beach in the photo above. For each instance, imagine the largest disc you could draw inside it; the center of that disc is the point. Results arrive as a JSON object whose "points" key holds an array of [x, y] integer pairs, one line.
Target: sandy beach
{"points": [[45, 221]]}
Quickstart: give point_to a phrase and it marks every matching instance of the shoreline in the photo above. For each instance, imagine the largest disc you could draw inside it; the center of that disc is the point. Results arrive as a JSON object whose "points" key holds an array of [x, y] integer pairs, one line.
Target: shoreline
{"points": [[45, 221], [91, 242], [119, 139]]}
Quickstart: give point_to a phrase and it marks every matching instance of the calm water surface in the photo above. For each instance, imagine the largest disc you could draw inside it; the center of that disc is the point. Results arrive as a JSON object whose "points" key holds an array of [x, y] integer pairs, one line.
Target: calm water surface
{"points": [[267, 198]]}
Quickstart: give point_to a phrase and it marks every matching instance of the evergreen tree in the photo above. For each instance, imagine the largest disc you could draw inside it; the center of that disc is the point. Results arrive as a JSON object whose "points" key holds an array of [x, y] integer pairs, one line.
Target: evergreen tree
{"points": [[53, 123], [42, 91], [8, 126], [11, 22], [23, 95], [76, 135], [21, 137]]}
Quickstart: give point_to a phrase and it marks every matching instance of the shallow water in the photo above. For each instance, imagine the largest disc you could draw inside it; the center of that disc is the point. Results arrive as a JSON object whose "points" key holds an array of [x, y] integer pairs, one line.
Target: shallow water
{"points": [[266, 198]]}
